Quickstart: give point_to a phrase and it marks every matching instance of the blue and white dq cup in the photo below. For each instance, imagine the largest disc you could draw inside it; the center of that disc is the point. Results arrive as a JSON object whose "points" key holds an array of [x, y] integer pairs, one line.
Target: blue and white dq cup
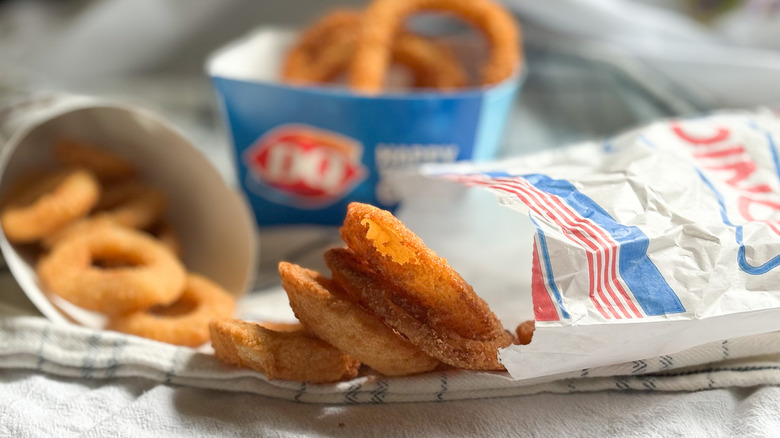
{"points": [[304, 153]]}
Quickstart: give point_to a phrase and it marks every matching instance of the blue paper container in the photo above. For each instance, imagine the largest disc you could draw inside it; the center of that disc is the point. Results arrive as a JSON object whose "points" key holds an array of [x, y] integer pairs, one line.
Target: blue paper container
{"points": [[303, 153]]}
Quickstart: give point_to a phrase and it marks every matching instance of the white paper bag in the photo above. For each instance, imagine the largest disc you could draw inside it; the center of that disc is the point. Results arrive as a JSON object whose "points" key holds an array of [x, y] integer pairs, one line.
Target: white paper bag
{"points": [[657, 241]]}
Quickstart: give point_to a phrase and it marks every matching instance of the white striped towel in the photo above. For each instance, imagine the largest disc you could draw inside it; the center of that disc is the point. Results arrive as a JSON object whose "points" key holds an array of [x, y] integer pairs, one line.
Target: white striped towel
{"points": [[28, 341]]}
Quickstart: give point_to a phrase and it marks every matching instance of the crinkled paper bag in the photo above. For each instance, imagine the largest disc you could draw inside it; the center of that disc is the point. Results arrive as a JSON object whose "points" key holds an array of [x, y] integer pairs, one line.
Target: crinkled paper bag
{"points": [[659, 240]]}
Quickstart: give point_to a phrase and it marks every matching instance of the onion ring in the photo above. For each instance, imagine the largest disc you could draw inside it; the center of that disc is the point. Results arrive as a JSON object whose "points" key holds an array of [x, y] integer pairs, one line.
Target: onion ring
{"points": [[299, 64], [319, 305], [105, 165], [384, 242], [132, 204], [326, 48], [383, 19], [408, 316], [151, 274], [433, 65], [48, 204], [129, 204], [282, 326], [186, 321], [286, 355], [160, 230], [75, 228]]}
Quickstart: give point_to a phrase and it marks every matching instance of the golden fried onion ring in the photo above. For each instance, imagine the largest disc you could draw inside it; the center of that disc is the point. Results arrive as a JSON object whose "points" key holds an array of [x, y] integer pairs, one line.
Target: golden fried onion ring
{"points": [[322, 308], [403, 312], [186, 321], [49, 203], [310, 60], [129, 204], [104, 164], [132, 204], [383, 19], [148, 275], [325, 50], [400, 257], [287, 355]]}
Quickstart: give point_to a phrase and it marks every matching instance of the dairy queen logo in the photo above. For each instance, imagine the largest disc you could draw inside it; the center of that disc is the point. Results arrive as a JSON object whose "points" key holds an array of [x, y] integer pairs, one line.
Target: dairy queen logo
{"points": [[303, 166]]}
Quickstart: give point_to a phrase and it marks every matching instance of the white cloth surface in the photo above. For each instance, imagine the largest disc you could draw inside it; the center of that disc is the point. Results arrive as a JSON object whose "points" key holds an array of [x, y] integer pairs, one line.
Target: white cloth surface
{"points": [[74, 382], [137, 407], [71, 381], [40, 405], [32, 342]]}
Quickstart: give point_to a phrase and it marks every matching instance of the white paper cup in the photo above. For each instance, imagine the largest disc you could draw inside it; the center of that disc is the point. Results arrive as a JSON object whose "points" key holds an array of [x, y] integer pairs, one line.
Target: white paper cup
{"points": [[213, 221]]}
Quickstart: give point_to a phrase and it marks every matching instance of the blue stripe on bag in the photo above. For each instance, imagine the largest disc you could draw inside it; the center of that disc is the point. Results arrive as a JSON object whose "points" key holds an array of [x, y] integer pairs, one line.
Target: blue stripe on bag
{"points": [[637, 271], [642, 277]]}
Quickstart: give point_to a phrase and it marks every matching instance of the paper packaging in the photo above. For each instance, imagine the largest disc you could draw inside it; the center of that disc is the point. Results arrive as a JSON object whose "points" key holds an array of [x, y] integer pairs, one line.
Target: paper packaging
{"points": [[214, 222], [657, 241], [303, 153]]}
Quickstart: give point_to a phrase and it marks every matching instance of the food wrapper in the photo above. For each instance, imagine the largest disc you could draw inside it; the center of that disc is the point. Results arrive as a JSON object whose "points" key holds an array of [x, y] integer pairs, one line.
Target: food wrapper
{"points": [[303, 153], [212, 220], [656, 241]]}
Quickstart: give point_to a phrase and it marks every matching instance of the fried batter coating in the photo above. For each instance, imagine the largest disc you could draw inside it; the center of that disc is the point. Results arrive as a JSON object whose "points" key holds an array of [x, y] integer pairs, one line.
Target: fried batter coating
{"points": [[132, 204], [146, 273], [49, 203], [432, 65], [286, 355], [445, 299], [325, 50], [409, 316], [383, 19], [104, 164], [186, 321], [284, 326], [321, 306]]}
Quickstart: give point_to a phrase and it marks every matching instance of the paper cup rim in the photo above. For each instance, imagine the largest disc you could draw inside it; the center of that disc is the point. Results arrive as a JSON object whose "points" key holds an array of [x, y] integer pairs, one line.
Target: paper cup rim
{"points": [[518, 76]]}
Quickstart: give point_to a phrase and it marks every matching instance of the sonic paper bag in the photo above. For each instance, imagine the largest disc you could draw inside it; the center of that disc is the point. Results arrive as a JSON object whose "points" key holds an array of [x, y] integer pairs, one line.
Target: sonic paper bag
{"points": [[660, 240]]}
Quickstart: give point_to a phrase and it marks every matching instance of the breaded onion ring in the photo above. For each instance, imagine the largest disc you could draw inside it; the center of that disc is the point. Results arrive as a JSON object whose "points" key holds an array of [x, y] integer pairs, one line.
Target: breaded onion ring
{"points": [[384, 243], [104, 164], [409, 316], [75, 228], [132, 204], [150, 274], [432, 65], [310, 60], [283, 326], [129, 204], [286, 355], [186, 321], [325, 50], [48, 204], [383, 19], [321, 306], [161, 231]]}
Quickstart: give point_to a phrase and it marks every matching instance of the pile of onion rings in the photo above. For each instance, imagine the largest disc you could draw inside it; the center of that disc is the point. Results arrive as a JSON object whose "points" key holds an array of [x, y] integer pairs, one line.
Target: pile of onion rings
{"points": [[363, 45], [392, 305], [105, 247]]}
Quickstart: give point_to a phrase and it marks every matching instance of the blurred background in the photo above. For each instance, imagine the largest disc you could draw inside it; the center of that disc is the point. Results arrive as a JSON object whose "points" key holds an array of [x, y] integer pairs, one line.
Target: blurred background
{"points": [[595, 67]]}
